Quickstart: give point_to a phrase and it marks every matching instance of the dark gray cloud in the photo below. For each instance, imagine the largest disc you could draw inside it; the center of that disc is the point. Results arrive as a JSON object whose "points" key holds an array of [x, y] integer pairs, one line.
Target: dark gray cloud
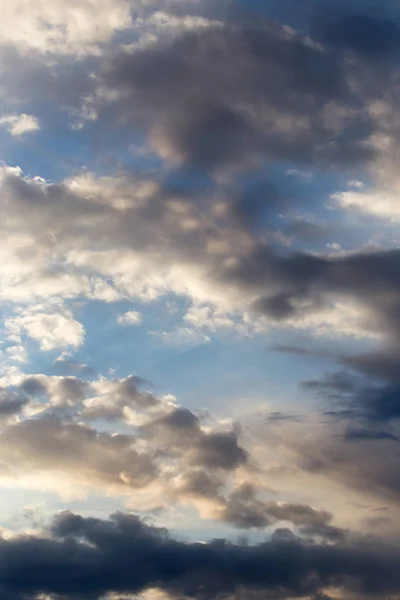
{"points": [[365, 434], [228, 95], [244, 510], [360, 397], [180, 430], [86, 558], [220, 451], [299, 284], [66, 390], [302, 276], [11, 403]]}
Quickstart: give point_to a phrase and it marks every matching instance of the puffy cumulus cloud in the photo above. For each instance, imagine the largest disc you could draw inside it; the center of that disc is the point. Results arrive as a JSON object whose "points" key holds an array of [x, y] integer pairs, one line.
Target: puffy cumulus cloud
{"points": [[71, 458], [19, 124], [181, 429], [87, 558], [49, 330], [167, 458], [119, 400], [53, 447], [60, 391]]}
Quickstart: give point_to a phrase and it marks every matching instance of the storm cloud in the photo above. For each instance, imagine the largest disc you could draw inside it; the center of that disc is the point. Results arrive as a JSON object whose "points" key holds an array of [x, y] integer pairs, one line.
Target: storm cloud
{"points": [[88, 557]]}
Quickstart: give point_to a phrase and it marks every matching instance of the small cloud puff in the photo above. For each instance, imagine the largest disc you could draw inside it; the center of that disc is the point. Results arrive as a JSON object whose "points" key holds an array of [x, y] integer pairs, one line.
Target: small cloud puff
{"points": [[131, 317], [20, 124]]}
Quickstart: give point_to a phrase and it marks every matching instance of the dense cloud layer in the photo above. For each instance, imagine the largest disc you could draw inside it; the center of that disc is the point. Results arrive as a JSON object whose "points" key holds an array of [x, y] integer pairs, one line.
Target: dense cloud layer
{"points": [[87, 558]]}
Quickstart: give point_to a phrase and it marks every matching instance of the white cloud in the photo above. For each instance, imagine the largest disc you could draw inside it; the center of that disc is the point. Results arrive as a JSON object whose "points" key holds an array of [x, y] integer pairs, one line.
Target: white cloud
{"points": [[17, 353], [19, 124], [67, 26], [54, 330], [181, 336], [81, 27], [207, 317], [161, 20], [131, 317], [339, 319], [382, 203]]}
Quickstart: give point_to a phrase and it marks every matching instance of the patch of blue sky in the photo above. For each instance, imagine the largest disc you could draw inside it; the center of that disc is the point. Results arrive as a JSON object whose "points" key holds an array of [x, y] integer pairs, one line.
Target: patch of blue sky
{"points": [[201, 375], [301, 15], [303, 195], [189, 180], [58, 150]]}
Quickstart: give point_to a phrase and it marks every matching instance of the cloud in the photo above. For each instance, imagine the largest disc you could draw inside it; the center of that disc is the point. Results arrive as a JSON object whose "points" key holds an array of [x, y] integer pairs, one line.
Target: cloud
{"points": [[225, 107], [233, 288], [20, 124], [60, 391], [54, 447], [87, 557], [272, 104], [182, 336], [363, 397], [119, 400], [58, 27], [382, 203], [354, 462], [131, 317], [64, 365], [166, 452], [244, 510], [72, 458], [181, 429], [55, 330], [11, 405]]}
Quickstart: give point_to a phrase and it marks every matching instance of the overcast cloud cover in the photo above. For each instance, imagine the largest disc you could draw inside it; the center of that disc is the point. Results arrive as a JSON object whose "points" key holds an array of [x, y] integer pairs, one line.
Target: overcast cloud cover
{"points": [[200, 300]]}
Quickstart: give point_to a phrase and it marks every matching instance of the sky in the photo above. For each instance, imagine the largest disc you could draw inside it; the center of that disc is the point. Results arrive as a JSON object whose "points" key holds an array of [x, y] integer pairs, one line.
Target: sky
{"points": [[200, 300]]}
